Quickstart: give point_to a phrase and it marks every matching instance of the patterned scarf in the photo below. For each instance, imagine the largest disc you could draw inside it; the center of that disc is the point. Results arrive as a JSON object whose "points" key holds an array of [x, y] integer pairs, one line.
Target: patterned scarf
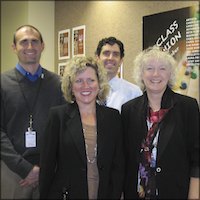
{"points": [[146, 168]]}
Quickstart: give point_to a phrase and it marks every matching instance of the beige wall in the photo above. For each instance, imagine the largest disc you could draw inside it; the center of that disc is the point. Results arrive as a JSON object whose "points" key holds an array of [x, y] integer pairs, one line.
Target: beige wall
{"points": [[10, 20], [17, 13], [122, 19]]}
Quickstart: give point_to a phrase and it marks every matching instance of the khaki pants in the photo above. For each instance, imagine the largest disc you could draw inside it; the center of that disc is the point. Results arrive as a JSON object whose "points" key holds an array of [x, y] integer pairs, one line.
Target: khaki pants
{"points": [[10, 188]]}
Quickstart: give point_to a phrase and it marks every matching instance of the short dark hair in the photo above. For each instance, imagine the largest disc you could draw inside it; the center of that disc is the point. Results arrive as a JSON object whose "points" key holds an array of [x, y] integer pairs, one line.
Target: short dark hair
{"points": [[110, 41], [31, 27]]}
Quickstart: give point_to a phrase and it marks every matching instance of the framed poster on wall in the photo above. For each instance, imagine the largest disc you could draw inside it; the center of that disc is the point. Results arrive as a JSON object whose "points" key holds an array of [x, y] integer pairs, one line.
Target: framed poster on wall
{"points": [[64, 44], [61, 68], [78, 41], [177, 31]]}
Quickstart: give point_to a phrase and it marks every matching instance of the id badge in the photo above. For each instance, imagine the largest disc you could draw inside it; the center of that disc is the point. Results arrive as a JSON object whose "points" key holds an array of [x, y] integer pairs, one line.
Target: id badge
{"points": [[30, 138]]}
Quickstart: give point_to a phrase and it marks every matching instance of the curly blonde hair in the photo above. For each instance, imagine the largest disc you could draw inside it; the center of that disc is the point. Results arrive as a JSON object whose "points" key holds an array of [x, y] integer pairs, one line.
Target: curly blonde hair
{"points": [[148, 54], [77, 65]]}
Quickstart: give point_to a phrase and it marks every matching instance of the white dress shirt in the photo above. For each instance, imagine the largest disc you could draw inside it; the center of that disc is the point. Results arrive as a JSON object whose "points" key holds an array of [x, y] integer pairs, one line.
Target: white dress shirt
{"points": [[121, 91]]}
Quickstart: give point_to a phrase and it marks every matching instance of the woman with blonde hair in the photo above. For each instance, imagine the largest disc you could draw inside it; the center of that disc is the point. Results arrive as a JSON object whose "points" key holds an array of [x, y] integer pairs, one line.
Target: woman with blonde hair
{"points": [[83, 156], [161, 133]]}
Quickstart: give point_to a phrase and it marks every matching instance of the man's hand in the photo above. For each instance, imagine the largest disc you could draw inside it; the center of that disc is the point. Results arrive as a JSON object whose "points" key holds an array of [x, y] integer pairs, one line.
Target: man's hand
{"points": [[32, 178]]}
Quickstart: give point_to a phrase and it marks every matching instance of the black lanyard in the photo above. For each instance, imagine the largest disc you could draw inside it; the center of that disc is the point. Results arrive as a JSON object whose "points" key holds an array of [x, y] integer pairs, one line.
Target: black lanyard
{"points": [[28, 106]]}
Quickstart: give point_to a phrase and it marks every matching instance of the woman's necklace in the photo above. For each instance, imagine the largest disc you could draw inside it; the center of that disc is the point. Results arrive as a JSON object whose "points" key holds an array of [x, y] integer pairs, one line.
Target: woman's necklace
{"points": [[95, 154], [88, 137]]}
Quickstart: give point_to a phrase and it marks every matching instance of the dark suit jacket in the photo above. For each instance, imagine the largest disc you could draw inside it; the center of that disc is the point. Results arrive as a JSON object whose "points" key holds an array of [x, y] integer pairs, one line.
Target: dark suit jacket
{"points": [[178, 144], [63, 157]]}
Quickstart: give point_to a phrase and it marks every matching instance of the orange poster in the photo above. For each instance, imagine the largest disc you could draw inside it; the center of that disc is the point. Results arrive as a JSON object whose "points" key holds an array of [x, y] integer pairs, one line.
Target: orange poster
{"points": [[64, 44], [78, 41]]}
